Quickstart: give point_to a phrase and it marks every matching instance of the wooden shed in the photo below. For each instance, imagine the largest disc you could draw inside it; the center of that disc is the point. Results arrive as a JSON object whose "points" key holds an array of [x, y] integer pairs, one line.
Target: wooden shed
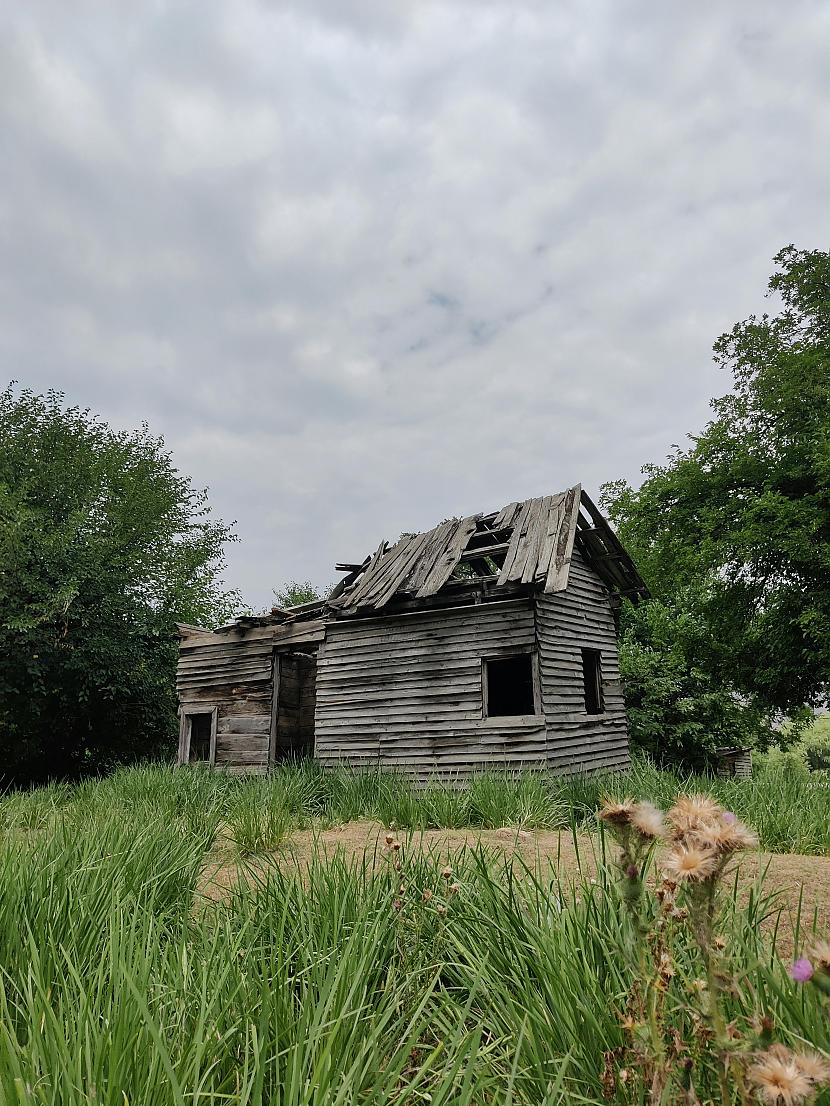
{"points": [[486, 642]]}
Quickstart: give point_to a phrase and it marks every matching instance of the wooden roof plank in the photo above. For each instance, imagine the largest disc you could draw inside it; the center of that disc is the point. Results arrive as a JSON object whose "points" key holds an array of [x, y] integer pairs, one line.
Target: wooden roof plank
{"points": [[519, 528], [553, 524], [437, 546], [363, 582], [560, 566], [507, 515], [386, 568], [407, 561], [537, 538], [525, 543], [542, 532], [446, 561]]}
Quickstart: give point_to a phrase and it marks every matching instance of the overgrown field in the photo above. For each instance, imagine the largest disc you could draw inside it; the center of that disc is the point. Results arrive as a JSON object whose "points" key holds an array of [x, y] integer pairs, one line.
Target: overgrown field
{"points": [[790, 811], [351, 982]]}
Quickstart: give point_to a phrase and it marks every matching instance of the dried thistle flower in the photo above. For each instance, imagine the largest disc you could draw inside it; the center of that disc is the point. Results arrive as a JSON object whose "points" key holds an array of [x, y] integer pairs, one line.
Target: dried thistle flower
{"points": [[690, 863], [813, 1066], [778, 1078], [446, 872], [440, 909], [666, 967], [648, 820], [725, 837], [617, 813], [389, 838], [820, 955], [690, 812], [427, 895], [455, 888]]}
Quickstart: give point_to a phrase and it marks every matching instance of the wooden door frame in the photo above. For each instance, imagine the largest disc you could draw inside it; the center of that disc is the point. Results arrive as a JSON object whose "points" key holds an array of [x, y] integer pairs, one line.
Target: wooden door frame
{"points": [[185, 729], [275, 709]]}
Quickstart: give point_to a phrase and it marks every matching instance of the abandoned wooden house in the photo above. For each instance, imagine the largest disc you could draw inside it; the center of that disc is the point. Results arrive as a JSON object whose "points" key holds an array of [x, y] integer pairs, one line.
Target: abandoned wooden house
{"points": [[487, 642]]}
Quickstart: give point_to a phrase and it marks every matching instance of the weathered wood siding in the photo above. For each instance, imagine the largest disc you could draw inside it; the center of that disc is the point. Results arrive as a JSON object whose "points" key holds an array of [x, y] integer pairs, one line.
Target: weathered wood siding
{"points": [[567, 622], [405, 692], [234, 676], [234, 673]]}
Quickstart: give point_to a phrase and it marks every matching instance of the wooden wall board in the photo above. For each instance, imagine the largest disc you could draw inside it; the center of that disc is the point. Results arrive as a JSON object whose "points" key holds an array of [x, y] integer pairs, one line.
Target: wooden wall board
{"points": [[379, 701], [568, 621]]}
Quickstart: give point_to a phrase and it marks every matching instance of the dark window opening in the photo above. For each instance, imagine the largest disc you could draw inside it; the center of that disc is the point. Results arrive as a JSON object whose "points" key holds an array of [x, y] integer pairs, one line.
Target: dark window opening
{"points": [[509, 686], [200, 727], [592, 680]]}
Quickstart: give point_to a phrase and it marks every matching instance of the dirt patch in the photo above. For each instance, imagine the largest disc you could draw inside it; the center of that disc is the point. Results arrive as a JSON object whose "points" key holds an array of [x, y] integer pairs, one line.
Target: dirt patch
{"points": [[800, 884]]}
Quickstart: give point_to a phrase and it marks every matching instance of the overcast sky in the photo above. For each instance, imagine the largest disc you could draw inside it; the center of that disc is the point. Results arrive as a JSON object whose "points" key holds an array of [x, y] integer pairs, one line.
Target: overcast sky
{"points": [[369, 263]]}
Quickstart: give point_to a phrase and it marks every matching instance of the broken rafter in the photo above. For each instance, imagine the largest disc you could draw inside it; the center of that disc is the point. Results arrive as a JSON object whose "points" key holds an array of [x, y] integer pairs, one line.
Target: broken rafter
{"points": [[529, 543]]}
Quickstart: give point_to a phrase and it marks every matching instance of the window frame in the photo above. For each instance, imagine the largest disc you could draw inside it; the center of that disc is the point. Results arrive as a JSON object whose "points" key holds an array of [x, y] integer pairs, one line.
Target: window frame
{"points": [[513, 719], [598, 680], [186, 727]]}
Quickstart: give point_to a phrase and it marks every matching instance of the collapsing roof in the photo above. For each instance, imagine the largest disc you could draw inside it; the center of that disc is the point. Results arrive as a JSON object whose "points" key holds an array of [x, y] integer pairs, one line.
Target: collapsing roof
{"points": [[529, 542]]}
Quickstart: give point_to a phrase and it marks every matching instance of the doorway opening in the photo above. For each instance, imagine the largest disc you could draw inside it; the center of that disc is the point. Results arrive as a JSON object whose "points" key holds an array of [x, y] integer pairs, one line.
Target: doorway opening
{"points": [[295, 697]]}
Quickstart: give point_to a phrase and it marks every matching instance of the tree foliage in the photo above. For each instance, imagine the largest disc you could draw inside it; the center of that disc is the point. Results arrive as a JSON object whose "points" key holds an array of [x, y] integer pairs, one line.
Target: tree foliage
{"points": [[295, 592], [104, 546], [735, 528], [679, 710]]}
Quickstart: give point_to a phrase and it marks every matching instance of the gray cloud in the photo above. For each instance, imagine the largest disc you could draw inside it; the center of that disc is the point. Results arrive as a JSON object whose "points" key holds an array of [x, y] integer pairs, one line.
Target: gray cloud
{"points": [[367, 264]]}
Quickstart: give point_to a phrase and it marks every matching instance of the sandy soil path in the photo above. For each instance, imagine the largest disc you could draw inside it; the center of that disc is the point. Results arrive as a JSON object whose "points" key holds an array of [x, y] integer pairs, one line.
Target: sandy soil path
{"points": [[802, 882]]}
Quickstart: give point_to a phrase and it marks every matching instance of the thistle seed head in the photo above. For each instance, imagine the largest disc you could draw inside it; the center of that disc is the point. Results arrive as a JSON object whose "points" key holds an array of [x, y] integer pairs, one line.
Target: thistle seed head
{"points": [[813, 1066], [690, 863], [617, 813], [691, 812], [648, 820], [778, 1078]]}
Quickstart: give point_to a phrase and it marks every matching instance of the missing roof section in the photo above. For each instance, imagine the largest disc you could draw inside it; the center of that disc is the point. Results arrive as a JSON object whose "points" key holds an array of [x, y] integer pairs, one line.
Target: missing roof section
{"points": [[528, 542]]}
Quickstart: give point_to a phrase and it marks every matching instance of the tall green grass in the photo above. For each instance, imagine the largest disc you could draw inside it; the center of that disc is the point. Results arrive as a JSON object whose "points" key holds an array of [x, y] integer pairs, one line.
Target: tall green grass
{"points": [[337, 984], [790, 811]]}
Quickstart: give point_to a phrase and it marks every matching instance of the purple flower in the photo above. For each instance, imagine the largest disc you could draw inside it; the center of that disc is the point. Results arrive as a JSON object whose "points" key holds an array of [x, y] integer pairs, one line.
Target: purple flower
{"points": [[802, 970], [729, 817]]}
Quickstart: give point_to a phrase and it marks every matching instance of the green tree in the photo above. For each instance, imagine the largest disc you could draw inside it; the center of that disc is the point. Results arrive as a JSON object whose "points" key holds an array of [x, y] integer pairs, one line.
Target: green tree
{"points": [[679, 712], [736, 527], [104, 546], [295, 592]]}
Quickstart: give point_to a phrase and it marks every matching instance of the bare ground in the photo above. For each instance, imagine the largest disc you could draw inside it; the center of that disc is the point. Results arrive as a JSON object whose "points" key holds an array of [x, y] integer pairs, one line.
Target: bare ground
{"points": [[801, 883]]}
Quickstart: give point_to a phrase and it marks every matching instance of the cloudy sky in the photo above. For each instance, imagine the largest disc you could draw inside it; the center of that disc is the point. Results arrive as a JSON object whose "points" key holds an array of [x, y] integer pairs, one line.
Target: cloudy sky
{"points": [[369, 263]]}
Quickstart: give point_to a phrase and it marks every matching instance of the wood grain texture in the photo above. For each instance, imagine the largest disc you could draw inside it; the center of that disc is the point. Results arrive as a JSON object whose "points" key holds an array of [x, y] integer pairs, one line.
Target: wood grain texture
{"points": [[405, 693], [447, 561], [566, 622]]}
